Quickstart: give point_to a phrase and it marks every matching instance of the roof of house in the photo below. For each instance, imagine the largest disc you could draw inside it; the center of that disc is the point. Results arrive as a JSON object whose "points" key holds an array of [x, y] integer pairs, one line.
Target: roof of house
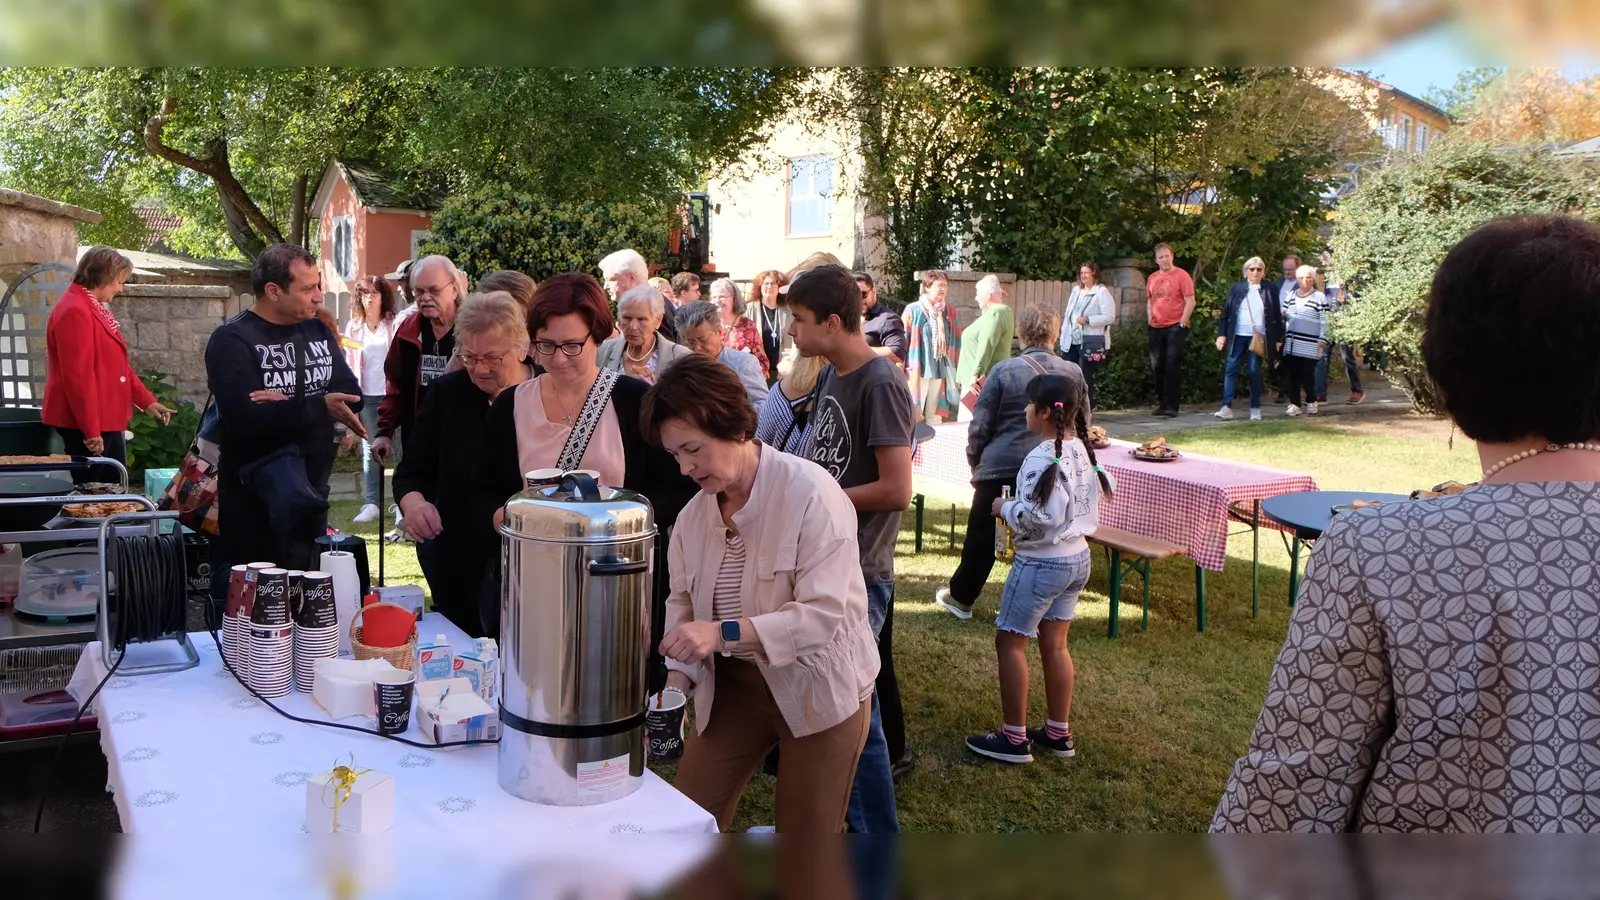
{"points": [[1385, 86], [147, 264], [375, 189], [1589, 149], [158, 227]]}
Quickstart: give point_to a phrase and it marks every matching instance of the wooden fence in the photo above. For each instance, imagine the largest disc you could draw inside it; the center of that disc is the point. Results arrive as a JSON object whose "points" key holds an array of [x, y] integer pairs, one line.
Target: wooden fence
{"points": [[1050, 294]]}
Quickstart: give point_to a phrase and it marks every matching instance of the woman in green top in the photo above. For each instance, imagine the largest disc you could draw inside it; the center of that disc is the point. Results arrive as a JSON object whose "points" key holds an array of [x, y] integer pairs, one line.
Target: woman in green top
{"points": [[988, 339]]}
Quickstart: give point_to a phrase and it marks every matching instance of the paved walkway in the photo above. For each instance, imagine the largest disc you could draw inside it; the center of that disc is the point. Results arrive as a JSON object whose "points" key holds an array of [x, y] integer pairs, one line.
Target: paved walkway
{"points": [[1381, 398]]}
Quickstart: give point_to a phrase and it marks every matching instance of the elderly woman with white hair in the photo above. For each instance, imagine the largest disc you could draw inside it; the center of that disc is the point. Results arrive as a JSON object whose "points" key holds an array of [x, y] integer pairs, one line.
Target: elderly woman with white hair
{"points": [[987, 340], [641, 351], [703, 333], [625, 270], [1251, 327], [435, 480], [1305, 320], [739, 333]]}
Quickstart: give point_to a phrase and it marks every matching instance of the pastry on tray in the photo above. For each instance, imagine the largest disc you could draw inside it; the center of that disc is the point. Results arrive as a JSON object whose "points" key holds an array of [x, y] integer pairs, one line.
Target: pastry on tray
{"points": [[1098, 438], [1155, 449], [100, 510], [34, 460], [1449, 488], [100, 487]]}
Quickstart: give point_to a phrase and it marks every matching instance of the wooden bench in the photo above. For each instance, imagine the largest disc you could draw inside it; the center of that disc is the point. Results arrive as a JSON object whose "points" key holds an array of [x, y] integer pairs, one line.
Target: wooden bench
{"points": [[1139, 552]]}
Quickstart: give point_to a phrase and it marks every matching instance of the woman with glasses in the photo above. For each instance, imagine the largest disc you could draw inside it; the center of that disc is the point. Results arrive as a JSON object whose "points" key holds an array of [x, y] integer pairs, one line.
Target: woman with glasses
{"points": [[739, 333], [575, 415], [434, 478], [1251, 311]]}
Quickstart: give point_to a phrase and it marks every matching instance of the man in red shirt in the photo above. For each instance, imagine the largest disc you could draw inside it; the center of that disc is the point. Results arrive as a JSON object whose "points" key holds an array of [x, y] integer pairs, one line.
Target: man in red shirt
{"points": [[1171, 293]]}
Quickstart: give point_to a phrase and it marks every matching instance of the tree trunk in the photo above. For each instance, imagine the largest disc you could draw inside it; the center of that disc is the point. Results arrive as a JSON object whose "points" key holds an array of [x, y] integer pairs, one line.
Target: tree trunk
{"points": [[297, 212], [248, 227], [244, 237]]}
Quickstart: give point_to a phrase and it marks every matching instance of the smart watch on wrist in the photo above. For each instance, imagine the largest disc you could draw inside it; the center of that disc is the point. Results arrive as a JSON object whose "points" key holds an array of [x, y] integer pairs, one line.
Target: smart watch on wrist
{"points": [[730, 635]]}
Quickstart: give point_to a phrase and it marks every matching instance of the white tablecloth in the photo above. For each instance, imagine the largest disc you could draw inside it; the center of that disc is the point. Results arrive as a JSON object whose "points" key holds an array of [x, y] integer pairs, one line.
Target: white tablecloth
{"points": [[192, 750]]}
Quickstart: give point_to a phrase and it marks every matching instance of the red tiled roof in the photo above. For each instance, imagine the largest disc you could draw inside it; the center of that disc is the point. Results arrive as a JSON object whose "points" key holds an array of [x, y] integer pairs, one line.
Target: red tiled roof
{"points": [[158, 227]]}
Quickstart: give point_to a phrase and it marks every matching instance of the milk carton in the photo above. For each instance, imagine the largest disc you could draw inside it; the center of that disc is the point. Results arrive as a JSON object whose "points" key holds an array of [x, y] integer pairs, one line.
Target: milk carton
{"points": [[480, 665], [448, 711], [434, 661]]}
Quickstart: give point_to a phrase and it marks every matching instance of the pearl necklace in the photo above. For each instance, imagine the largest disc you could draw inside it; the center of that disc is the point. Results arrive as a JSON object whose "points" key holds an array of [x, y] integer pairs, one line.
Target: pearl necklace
{"points": [[647, 354], [1515, 458]]}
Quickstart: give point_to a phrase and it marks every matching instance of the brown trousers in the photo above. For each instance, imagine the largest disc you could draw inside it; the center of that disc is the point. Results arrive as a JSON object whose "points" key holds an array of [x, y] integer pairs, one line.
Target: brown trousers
{"points": [[815, 772]]}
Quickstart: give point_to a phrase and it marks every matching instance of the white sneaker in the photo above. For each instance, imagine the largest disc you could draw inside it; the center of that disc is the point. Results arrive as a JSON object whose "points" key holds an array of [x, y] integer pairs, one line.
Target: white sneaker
{"points": [[943, 597], [1225, 413], [369, 513], [1255, 415], [1311, 408], [1292, 411]]}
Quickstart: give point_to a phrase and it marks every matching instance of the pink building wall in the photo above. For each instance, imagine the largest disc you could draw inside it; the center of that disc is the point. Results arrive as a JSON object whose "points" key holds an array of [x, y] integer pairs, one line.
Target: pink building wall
{"points": [[382, 239]]}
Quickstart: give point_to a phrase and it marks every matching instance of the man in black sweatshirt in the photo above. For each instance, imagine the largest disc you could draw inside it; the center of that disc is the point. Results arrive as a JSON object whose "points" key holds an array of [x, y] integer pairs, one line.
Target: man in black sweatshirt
{"points": [[277, 378]]}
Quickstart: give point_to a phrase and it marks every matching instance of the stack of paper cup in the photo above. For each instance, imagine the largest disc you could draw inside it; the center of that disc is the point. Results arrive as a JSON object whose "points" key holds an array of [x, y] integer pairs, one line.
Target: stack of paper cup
{"points": [[239, 621], [237, 577], [346, 591], [271, 635], [316, 629]]}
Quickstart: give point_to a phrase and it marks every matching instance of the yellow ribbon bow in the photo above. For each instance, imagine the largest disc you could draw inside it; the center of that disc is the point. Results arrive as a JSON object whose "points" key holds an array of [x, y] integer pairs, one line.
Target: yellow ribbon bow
{"points": [[343, 784]]}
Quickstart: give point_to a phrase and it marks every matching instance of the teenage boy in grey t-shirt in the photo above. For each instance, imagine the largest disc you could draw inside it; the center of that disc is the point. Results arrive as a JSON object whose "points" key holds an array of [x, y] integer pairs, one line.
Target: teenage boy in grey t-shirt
{"points": [[862, 435]]}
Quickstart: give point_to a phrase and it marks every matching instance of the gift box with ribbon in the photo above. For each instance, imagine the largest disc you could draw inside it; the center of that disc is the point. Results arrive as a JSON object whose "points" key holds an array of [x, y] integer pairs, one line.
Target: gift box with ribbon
{"points": [[349, 799]]}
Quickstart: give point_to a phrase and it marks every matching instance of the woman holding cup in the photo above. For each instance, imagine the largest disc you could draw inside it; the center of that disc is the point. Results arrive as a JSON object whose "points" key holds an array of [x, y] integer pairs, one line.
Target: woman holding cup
{"points": [[767, 615]]}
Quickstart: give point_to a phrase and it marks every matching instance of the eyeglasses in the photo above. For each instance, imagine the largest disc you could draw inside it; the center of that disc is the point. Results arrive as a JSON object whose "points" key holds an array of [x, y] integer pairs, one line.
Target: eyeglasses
{"points": [[1256, 269], [472, 360], [570, 348]]}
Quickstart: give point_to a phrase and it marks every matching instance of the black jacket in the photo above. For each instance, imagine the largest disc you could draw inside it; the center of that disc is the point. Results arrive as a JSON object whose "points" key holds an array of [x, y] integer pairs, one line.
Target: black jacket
{"points": [[442, 456], [648, 469], [1269, 306]]}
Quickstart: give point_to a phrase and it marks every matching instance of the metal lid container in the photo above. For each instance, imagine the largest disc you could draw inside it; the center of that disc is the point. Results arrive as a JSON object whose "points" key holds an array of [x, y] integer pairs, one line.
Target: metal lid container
{"points": [[566, 514]]}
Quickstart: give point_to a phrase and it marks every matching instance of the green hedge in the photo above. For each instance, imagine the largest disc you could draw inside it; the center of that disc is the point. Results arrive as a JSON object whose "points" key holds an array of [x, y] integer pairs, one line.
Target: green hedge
{"points": [[1125, 380], [495, 227]]}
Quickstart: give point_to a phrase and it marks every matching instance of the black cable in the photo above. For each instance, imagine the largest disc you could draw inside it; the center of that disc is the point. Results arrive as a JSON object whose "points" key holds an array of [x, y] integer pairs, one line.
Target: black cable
{"points": [[49, 774]]}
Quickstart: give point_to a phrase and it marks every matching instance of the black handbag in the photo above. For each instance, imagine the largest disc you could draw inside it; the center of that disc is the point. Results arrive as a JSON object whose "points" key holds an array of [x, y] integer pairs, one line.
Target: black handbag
{"points": [[279, 479], [1094, 348]]}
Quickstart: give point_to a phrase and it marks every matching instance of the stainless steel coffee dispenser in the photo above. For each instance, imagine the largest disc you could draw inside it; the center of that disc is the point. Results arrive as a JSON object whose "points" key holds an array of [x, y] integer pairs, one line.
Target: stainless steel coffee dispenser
{"points": [[574, 640]]}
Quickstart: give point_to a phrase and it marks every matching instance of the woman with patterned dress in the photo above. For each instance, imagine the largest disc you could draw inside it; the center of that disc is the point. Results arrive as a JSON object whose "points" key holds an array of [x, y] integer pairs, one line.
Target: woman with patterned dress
{"points": [[739, 333], [933, 347], [1440, 667]]}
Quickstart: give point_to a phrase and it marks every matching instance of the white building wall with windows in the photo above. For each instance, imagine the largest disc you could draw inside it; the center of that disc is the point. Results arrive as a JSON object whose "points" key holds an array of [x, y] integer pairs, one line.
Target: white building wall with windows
{"points": [[790, 196]]}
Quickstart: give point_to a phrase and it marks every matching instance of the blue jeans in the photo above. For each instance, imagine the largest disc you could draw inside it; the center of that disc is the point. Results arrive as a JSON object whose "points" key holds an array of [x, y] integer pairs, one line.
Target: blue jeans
{"points": [[872, 803], [1350, 367], [371, 471], [1041, 587], [1238, 350]]}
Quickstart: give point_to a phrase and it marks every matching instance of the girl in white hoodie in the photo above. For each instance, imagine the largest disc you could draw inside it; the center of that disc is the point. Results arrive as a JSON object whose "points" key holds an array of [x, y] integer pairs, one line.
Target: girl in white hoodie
{"points": [[1056, 507]]}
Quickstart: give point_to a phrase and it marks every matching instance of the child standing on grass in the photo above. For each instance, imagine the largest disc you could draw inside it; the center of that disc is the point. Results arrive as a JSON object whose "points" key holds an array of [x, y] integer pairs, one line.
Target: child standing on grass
{"points": [[1057, 505]]}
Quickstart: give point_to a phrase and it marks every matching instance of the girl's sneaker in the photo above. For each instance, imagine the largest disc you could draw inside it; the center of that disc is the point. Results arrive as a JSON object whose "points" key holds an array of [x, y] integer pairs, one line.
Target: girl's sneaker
{"points": [[1062, 747], [996, 745]]}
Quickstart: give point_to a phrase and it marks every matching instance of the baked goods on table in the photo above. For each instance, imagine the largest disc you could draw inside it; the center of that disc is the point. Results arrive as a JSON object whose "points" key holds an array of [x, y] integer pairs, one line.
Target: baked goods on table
{"points": [[1098, 438], [100, 510], [1449, 488], [1155, 450], [100, 487], [26, 460]]}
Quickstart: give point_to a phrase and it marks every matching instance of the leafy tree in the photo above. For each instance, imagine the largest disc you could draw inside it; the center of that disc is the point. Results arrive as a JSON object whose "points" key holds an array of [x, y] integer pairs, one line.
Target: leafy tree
{"points": [[1396, 227], [1459, 99], [238, 152], [495, 226], [1537, 105]]}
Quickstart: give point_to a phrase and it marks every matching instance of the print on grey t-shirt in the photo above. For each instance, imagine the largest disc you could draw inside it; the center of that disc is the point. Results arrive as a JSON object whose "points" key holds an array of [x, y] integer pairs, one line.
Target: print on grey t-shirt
{"points": [[856, 413]]}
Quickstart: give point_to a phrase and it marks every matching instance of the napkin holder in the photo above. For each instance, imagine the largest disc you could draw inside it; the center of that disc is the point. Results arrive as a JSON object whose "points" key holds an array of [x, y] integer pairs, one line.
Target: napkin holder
{"points": [[459, 716], [366, 806], [344, 687]]}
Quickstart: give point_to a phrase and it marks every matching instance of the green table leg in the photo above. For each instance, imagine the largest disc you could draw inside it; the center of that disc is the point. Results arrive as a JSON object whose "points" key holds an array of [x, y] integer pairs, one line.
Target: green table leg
{"points": [[1199, 598], [1294, 570], [1116, 590], [1255, 565], [917, 501], [1144, 624]]}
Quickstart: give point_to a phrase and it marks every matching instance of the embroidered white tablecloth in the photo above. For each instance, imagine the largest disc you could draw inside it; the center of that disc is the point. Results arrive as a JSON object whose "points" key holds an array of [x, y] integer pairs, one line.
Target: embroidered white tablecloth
{"points": [[192, 750]]}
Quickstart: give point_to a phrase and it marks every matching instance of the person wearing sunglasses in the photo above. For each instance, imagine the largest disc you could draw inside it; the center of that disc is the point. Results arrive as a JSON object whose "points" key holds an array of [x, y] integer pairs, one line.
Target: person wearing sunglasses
{"points": [[577, 415], [1250, 312]]}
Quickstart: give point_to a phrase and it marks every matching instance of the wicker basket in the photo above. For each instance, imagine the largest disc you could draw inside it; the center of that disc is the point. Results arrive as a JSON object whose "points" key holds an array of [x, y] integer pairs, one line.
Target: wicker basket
{"points": [[401, 657]]}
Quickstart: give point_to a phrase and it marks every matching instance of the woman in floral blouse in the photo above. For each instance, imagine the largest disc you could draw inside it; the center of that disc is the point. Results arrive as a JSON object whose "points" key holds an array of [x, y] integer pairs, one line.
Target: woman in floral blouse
{"points": [[1440, 669], [739, 332]]}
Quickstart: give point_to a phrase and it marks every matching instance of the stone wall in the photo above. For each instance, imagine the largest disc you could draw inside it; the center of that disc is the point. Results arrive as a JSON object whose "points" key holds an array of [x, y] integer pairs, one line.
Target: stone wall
{"points": [[1125, 279], [35, 230], [963, 293], [167, 326]]}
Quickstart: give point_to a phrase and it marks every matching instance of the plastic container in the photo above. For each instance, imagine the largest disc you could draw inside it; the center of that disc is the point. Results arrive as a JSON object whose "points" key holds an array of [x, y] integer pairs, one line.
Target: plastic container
{"points": [[61, 584], [40, 713], [10, 575]]}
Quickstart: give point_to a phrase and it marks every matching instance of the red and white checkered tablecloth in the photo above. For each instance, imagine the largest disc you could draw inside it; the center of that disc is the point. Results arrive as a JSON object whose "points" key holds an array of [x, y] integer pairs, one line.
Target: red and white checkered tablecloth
{"points": [[1184, 503]]}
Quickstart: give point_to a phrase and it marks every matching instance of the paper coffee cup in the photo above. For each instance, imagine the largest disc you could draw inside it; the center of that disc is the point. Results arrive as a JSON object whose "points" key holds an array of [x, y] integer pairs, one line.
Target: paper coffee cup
{"points": [[540, 478], [394, 701]]}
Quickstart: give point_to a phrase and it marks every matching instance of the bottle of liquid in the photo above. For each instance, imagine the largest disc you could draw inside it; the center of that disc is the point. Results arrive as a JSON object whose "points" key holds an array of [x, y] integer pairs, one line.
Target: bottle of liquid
{"points": [[1003, 548]]}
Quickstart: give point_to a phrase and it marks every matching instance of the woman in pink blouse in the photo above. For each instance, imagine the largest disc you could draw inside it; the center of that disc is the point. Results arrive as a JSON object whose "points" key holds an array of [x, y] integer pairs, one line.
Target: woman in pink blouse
{"points": [[740, 332]]}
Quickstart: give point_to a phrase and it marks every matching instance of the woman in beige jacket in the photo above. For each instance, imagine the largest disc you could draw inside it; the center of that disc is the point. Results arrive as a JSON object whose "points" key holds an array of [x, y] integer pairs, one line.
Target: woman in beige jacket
{"points": [[767, 616]]}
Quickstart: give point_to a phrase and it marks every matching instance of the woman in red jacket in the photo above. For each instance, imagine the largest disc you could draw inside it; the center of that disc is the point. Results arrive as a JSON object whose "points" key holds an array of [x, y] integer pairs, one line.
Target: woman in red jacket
{"points": [[90, 390]]}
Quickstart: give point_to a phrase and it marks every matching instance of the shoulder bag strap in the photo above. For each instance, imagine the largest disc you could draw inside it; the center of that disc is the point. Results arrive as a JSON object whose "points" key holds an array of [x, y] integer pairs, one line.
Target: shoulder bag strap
{"points": [[594, 406], [1032, 364]]}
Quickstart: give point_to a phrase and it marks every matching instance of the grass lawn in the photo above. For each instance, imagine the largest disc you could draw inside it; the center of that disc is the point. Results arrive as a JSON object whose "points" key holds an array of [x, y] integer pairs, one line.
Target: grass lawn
{"points": [[1159, 716]]}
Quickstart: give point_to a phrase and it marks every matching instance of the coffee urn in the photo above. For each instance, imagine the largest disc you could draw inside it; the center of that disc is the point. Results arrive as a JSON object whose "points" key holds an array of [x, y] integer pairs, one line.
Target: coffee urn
{"points": [[574, 640]]}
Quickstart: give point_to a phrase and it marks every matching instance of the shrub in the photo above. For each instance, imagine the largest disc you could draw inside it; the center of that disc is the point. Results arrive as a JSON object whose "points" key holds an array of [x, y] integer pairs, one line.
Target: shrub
{"points": [[158, 446], [1126, 381], [1395, 228], [495, 227]]}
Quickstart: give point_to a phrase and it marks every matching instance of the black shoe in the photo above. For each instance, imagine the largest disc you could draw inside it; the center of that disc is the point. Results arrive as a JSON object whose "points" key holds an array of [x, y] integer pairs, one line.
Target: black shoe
{"points": [[1062, 747], [904, 766], [996, 745], [1159, 412], [1166, 413]]}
